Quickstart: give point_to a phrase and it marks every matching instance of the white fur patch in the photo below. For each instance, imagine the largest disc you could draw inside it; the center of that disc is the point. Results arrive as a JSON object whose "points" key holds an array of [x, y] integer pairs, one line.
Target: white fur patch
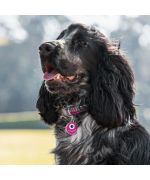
{"points": [[84, 130]]}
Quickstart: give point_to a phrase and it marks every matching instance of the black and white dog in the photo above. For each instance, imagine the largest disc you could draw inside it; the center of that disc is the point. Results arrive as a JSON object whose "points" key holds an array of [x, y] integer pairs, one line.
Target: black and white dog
{"points": [[87, 93]]}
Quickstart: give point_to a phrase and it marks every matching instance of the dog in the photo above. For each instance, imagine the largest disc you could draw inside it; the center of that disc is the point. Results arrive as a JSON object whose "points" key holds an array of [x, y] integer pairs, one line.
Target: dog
{"points": [[87, 93]]}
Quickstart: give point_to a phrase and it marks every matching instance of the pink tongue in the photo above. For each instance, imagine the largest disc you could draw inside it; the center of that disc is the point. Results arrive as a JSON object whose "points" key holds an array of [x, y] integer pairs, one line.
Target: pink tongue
{"points": [[49, 76]]}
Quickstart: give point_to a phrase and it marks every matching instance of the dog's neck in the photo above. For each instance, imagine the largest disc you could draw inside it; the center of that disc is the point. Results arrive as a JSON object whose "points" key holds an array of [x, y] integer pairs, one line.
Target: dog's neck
{"points": [[71, 104], [71, 110]]}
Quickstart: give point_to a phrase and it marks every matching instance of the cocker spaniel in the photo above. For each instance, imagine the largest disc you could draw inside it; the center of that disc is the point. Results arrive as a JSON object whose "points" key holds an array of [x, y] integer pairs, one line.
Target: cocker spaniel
{"points": [[87, 93]]}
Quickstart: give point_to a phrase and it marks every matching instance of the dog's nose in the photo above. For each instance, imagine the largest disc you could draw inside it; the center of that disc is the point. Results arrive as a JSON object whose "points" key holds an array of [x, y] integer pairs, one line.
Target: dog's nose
{"points": [[47, 47]]}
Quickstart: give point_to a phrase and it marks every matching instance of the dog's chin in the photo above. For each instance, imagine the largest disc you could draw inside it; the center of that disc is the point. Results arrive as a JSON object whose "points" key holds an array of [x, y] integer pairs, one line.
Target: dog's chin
{"points": [[61, 87]]}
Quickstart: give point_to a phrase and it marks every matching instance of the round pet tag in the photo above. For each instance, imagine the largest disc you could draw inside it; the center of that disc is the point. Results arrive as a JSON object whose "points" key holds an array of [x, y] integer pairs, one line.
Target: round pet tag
{"points": [[71, 128]]}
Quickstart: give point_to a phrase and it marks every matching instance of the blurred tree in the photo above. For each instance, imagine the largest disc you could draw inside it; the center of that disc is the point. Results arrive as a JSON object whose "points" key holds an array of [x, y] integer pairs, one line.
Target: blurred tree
{"points": [[19, 65], [130, 32]]}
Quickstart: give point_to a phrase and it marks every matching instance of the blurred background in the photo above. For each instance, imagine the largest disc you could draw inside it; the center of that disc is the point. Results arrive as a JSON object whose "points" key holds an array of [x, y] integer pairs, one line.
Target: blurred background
{"points": [[24, 138]]}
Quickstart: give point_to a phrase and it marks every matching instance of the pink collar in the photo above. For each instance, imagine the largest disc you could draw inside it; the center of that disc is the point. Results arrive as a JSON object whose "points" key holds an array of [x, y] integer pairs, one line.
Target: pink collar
{"points": [[74, 110]]}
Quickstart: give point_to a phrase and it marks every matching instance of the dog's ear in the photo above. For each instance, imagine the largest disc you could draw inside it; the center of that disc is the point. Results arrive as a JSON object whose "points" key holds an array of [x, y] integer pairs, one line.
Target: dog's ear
{"points": [[45, 106], [111, 94]]}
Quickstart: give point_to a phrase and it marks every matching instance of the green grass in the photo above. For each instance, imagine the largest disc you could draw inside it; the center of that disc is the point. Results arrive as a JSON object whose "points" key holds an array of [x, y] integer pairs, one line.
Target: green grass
{"points": [[25, 139], [26, 146], [21, 120], [23, 116]]}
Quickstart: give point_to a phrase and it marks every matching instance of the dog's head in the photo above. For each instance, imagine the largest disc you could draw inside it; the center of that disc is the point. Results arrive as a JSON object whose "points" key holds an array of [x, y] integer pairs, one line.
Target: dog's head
{"points": [[83, 58], [67, 61]]}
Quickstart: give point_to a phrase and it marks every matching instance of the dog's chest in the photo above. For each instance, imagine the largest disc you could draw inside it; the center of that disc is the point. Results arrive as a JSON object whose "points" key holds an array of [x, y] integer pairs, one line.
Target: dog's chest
{"points": [[75, 149]]}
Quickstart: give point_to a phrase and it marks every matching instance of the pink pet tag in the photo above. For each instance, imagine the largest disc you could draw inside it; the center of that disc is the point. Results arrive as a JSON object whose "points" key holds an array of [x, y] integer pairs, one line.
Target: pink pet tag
{"points": [[71, 127]]}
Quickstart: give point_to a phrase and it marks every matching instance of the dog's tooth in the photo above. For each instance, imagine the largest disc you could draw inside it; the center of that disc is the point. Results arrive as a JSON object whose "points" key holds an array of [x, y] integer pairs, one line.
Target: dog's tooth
{"points": [[70, 77]]}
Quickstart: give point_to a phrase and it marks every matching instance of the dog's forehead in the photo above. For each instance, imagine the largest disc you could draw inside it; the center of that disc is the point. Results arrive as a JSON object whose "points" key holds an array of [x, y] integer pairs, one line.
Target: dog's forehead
{"points": [[78, 26], [72, 33], [74, 29]]}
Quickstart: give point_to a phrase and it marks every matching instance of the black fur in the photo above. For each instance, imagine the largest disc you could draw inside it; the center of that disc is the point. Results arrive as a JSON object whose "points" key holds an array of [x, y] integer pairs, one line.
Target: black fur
{"points": [[45, 106], [108, 133]]}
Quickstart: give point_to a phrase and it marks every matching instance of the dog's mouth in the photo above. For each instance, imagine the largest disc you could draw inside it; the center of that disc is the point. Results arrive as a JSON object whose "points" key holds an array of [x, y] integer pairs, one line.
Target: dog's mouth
{"points": [[51, 74]]}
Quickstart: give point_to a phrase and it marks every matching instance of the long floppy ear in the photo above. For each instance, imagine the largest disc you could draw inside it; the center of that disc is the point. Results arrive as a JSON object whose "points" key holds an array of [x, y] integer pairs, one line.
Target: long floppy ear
{"points": [[45, 106], [112, 92]]}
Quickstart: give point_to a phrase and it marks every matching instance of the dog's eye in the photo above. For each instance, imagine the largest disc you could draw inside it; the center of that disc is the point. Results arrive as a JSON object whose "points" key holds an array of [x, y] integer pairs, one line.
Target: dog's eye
{"points": [[84, 43]]}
